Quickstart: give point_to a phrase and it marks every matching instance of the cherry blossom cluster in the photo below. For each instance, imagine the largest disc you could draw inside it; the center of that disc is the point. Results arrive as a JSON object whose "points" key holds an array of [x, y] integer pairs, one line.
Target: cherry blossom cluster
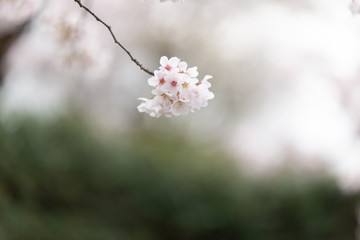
{"points": [[177, 90]]}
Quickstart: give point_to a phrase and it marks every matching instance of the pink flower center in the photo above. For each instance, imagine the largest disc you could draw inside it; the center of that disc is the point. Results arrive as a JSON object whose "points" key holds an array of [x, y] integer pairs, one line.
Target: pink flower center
{"points": [[174, 83], [168, 67], [162, 81]]}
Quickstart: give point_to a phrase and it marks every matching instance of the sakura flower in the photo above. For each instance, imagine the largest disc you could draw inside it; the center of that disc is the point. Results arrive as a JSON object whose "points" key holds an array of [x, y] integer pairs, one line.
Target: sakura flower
{"points": [[170, 65], [173, 84], [157, 79], [155, 106], [192, 72], [176, 91], [180, 108]]}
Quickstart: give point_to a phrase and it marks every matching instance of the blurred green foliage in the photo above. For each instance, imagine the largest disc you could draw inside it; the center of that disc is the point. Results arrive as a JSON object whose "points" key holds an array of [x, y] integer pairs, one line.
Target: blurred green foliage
{"points": [[68, 180]]}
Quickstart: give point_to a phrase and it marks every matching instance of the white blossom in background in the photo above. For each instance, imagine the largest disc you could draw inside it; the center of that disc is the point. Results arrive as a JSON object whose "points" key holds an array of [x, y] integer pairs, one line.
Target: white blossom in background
{"points": [[74, 43], [355, 7], [177, 90], [14, 12], [172, 0]]}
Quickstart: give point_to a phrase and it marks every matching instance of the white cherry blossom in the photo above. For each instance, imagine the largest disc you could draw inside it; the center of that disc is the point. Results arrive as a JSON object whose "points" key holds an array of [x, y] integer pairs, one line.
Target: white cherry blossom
{"points": [[192, 72], [169, 65], [158, 79], [177, 91], [180, 108]]}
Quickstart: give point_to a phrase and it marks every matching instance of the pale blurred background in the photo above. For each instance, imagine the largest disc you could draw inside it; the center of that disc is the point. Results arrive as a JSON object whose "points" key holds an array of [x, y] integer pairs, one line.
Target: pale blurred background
{"points": [[286, 73]]}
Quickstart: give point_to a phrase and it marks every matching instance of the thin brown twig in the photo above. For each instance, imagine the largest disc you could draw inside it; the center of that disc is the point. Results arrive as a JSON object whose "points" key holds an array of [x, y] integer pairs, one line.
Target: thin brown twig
{"points": [[113, 36]]}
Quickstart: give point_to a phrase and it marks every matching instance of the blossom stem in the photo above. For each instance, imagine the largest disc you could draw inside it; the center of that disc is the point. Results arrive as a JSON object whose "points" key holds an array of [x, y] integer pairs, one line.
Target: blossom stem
{"points": [[114, 37]]}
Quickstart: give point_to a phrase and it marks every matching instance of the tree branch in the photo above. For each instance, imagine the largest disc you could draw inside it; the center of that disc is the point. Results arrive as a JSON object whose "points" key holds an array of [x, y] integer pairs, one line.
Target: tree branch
{"points": [[113, 36]]}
